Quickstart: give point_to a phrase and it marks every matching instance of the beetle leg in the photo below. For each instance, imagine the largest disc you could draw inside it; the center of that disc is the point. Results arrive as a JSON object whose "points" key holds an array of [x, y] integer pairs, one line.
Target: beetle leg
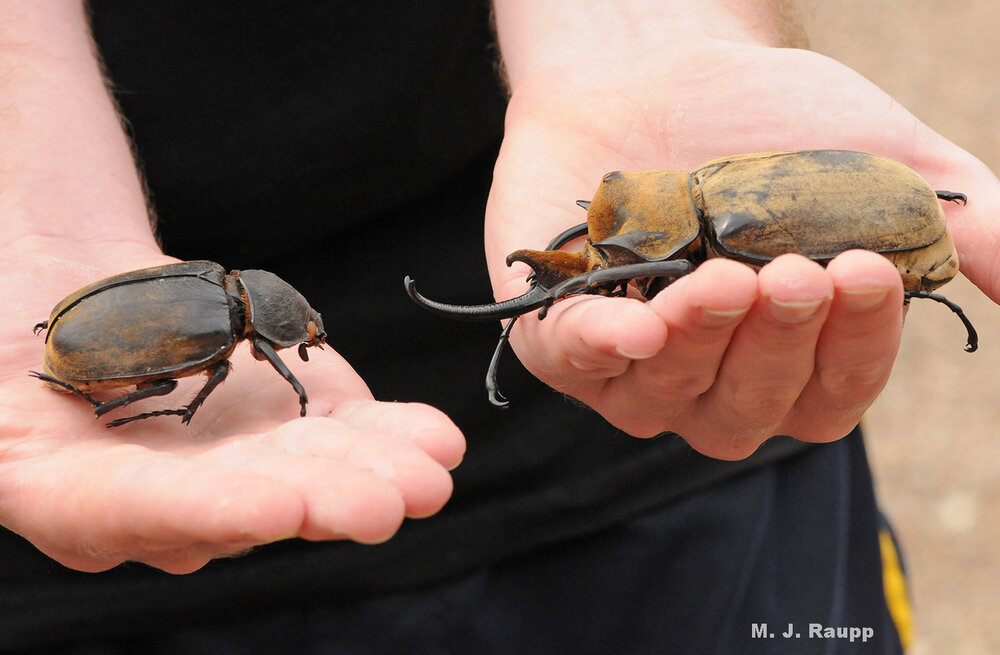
{"points": [[589, 282], [953, 196], [155, 388], [972, 342], [566, 236], [265, 348], [492, 390], [530, 300], [160, 412], [161, 388], [68, 387], [219, 373]]}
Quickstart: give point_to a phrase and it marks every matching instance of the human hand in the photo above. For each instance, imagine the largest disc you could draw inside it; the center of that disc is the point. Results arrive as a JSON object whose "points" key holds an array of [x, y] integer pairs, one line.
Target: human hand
{"points": [[724, 357], [246, 471]]}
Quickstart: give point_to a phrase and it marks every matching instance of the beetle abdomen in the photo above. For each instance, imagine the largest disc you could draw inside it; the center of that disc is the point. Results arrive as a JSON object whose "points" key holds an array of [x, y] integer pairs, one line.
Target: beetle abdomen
{"points": [[816, 203], [141, 329]]}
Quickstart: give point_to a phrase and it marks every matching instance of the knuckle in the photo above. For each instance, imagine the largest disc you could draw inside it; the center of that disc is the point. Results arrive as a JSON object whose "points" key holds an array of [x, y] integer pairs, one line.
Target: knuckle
{"points": [[763, 401], [830, 429], [682, 385], [729, 444], [860, 379]]}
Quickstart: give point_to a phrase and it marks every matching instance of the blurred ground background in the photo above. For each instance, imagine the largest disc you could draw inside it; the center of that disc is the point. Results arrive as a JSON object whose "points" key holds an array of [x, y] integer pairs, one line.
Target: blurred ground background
{"points": [[933, 434]]}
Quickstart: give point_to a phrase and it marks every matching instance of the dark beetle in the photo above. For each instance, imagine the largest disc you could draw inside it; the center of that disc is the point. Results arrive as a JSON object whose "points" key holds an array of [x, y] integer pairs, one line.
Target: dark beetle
{"points": [[651, 227], [152, 326]]}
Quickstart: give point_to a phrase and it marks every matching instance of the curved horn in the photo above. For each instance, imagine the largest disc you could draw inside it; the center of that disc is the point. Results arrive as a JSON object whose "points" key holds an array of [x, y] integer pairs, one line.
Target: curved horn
{"points": [[533, 298]]}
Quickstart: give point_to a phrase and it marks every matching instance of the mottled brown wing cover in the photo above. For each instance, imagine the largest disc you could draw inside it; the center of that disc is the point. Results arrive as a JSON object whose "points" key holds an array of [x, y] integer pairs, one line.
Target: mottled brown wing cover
{"points": [[145, 327], [816, 203]]}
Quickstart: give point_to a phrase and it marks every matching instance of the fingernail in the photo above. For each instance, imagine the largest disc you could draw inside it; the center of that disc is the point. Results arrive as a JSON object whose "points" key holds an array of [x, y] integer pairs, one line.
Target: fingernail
{"points": [[580, 366], [628, 355], [794, 312], [862, 299], [722, 316]]}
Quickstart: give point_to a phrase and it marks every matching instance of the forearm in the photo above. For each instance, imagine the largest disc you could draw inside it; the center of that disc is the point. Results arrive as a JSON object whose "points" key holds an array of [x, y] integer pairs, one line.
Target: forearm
{"points": [[66, 169], [535, 36]]}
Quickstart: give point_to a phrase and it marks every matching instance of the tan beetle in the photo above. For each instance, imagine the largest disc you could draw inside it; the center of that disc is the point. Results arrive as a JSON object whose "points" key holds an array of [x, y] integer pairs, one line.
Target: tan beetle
{"points": [[649, 228]]}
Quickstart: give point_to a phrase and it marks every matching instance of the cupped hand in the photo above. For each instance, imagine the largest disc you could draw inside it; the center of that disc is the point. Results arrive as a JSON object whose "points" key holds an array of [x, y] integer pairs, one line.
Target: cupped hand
{"points": [[725, 357], [246, 471]]}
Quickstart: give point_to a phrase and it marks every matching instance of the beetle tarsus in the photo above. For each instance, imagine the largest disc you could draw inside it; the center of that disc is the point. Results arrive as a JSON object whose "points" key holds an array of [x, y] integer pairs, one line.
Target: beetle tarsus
{"points": [[44, 325], [492, 390], [953, 196], [138, 417], [972, 342]]}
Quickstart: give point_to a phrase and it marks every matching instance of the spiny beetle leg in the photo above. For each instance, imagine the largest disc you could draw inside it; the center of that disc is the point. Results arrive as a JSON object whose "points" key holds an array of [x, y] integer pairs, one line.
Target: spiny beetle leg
{"points": [[219, 373], [972, 343], [530, 300], [155, 388], [138, 417], [594, 280]]}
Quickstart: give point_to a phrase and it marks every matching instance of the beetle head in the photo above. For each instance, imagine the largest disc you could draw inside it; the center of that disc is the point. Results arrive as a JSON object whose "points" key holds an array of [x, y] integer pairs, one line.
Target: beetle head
{"points": [[317, 335], [279, 313]]}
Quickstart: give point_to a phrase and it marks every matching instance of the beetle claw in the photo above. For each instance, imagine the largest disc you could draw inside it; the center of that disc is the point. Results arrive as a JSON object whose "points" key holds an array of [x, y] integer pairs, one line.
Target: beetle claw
{"points": [[953, 196], [492, 390]]}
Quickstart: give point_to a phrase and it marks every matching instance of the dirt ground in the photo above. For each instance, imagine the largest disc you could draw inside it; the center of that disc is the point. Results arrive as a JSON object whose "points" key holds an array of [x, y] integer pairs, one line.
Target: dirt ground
{"points": [[933, 433]]}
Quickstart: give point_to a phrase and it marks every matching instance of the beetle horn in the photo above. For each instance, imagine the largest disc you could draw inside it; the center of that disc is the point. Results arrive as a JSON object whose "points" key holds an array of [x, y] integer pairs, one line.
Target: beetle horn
{"points": [[584, 203], [532, 299]]}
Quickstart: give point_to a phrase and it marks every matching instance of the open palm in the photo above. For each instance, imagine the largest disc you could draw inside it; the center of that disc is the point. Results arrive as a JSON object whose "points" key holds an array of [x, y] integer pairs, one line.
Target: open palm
{"points": [[725, 357], [246, 471]]}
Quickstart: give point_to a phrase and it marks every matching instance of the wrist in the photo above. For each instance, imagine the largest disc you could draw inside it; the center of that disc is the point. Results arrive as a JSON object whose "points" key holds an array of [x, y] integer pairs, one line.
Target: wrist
{"points": [[68, 170], [557, 34]]}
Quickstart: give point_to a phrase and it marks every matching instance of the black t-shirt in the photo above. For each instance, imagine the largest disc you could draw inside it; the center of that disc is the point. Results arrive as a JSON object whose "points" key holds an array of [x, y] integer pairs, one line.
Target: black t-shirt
{"points": [[343, 145]]}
